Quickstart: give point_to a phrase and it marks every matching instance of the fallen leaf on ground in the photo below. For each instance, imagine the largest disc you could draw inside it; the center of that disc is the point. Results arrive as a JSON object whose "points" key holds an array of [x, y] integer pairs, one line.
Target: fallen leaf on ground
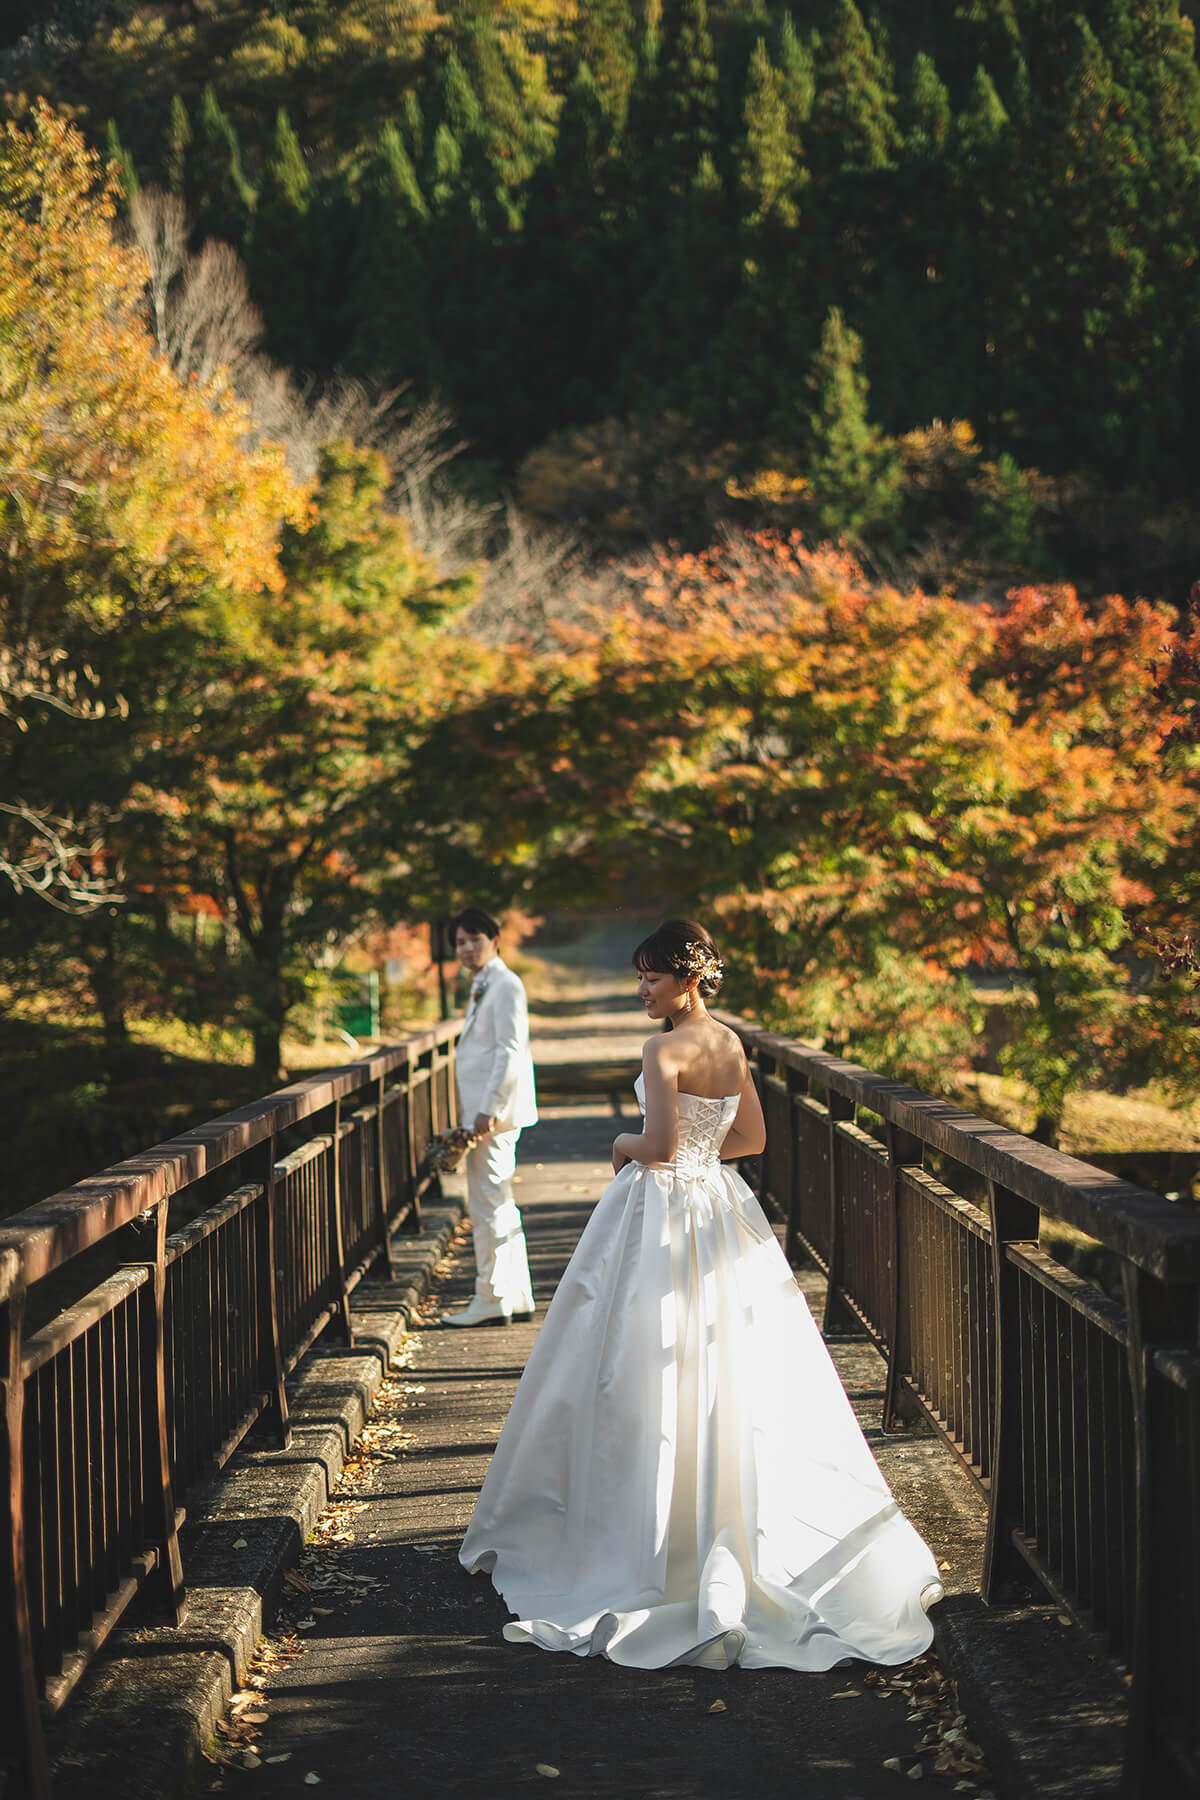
{"points": [[545, 1769], [717, 1706]]}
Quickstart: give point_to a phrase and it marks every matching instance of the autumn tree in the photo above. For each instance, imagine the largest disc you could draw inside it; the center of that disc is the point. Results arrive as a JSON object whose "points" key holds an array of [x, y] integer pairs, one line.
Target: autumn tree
{"points": [[285, 730], [126, 497]]}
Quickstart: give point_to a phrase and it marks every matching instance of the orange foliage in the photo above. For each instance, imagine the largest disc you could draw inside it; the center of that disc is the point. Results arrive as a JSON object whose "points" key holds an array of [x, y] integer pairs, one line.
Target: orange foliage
{"points": [[119, 486]]}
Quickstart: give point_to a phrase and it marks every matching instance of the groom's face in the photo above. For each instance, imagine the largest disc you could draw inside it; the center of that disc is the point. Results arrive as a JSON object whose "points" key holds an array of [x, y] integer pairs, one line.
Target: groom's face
{"points": [[473, 949]]}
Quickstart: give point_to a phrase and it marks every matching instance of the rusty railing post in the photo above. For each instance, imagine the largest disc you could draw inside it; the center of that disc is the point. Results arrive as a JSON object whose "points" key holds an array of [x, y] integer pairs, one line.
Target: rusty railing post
{"points": [[275, 1413], [18, 1677], [1014, 1220]]}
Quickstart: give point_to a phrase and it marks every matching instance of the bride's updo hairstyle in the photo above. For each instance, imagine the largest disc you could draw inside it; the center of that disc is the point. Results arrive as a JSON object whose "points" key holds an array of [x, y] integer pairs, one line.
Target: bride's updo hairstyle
{"points": [[682, 948]]}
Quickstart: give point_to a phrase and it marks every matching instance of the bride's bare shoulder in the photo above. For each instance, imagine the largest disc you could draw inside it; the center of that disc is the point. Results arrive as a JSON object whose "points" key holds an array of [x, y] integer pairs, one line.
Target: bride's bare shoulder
{"points": [[662, 1053]]}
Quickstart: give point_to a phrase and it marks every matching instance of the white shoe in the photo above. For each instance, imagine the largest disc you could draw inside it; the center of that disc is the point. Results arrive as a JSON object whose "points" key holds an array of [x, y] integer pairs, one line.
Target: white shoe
{"points": [[479, 1312], [931, 1593]]}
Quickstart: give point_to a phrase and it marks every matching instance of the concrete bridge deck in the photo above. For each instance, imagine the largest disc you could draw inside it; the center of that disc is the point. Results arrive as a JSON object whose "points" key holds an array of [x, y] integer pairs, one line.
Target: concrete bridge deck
{"points": [[384, 1672]]}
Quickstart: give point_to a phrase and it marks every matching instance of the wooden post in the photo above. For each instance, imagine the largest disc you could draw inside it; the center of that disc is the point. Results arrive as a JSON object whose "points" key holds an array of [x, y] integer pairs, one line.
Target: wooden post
{"points": [[903, 1151], [413, 1216], [797, 1085], [18, 1675], [1160, 1316], [382, 1223], [157, 1484], [839, 1317], [1014, 1220], [275, 1415], [341, 1323]]}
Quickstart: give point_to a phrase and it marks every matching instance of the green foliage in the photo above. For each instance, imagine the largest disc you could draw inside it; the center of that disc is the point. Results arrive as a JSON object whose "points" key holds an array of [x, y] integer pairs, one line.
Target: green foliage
{"points": [[178, 140], [218, 192], [853, 471], [768, 177], [1014, 233], [605, 37], [853, 121]]}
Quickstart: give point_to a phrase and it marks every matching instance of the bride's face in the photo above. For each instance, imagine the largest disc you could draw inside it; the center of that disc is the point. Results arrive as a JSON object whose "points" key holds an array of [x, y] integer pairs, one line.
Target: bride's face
{"points": [[661, 993]]}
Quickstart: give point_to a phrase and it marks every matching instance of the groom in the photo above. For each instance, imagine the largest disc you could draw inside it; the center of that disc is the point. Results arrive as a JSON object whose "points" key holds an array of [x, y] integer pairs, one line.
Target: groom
{"points": [[494, 1072]]}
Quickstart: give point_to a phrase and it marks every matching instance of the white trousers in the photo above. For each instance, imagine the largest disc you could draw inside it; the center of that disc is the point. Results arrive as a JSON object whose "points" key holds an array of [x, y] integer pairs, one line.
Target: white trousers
{"points": [[501, 1261]]}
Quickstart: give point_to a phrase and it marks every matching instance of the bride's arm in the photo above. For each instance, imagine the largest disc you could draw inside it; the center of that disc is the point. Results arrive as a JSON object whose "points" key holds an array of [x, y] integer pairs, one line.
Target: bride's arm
{"points": [[748, 1133], [658, 1139]]}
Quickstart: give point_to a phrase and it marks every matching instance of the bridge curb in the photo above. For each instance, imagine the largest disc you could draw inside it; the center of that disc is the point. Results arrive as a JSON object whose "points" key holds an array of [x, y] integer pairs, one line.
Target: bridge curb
{"points": [[149, 1705], [1049, 1715]]}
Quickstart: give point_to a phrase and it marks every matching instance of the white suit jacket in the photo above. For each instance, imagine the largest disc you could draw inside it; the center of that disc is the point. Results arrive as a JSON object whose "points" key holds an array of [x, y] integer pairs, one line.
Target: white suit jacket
{"points": [[493, 1065]]}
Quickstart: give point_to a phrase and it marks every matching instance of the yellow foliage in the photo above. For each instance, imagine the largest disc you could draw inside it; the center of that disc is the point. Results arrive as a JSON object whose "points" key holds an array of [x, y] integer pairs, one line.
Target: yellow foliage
{"points": [[119, 485]]}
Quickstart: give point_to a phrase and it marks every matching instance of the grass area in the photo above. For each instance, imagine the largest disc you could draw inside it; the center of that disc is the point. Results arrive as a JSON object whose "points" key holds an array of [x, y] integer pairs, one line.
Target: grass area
{"points": [[1096, 1123], [71, 1107]]}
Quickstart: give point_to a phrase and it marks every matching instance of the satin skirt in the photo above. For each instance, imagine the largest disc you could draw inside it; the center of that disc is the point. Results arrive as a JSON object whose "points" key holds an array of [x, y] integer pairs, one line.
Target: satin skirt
{"points": [[681, 1477]]}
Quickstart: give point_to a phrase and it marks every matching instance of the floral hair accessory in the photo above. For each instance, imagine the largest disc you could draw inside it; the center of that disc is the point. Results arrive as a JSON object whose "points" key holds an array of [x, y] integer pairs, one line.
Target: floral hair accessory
{"points": [[699, 960]]}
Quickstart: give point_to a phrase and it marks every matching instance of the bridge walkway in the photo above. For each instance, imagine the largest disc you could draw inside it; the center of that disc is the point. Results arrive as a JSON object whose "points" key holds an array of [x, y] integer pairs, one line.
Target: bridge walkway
{"points": [[412, 1690], [384, 1672]]}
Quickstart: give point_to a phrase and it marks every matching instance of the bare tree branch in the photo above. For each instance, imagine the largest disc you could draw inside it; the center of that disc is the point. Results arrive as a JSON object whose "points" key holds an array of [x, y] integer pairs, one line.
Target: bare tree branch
{"points": [[212, 323], [159, 228], [42, 854]]}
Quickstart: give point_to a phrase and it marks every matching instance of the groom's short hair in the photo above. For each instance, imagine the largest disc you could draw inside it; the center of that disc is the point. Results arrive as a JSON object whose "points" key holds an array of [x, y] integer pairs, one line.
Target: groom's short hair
{"points": [[474, 921]]}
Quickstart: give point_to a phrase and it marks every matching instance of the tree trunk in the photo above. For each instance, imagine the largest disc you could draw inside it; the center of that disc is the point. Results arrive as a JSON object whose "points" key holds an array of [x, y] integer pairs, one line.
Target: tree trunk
{"points": [[1047, 1128], [106, 978], [268, 950]]}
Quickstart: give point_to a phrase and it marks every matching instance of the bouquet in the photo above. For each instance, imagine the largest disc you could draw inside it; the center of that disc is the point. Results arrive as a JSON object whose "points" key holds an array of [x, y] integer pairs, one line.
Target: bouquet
{"points": [[446, 1149]]}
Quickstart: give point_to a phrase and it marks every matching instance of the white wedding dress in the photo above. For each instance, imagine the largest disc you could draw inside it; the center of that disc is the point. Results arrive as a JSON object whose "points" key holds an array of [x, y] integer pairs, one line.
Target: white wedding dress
{"points": [[681, 1478]]}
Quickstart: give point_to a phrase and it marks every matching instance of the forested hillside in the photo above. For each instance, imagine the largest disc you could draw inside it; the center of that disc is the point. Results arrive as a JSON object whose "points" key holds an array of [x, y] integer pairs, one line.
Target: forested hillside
{"points": [[851, 360], [555, 215]]}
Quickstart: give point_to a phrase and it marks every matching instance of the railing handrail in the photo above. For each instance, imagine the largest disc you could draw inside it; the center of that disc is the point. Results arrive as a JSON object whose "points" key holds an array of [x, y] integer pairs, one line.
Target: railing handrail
{"points": [[117, 1409], [1155, 1234], [47, 1234]]}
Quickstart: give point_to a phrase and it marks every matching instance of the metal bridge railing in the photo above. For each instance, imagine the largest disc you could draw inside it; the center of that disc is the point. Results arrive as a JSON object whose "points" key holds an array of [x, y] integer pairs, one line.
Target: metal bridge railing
{"points": [[1075, 1406], [151, 1314]]}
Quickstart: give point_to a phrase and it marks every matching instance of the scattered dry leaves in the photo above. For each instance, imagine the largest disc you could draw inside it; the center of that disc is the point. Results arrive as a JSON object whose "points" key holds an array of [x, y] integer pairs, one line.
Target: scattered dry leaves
{"points": [[322, 1583], [946, 1748]]}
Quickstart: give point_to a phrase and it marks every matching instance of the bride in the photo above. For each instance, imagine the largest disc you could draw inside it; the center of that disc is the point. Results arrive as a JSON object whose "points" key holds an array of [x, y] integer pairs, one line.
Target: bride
{"points": [[681, 1478]]}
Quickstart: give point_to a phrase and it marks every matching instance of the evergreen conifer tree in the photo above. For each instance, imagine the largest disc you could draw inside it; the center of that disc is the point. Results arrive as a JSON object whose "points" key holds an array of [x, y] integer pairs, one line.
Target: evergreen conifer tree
{"points": [[413, 127], [385, 320], [798, 72], [852, 470], [853, 120], [926, 113], [982, 123], [221, 199], [286, 248], [605, 36], [118, 157], [444, 181], [769, 178], [688, 99], [178, 139]]}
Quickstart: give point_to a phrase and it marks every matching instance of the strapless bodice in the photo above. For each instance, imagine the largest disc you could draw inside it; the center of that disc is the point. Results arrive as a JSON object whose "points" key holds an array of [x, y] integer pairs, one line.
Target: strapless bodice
{"points": [[703, 1125]]}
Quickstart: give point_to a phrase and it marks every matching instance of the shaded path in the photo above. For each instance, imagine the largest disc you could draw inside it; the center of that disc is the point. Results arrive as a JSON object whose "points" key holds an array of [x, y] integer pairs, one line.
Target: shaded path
{"points": [[414, 1692]]}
